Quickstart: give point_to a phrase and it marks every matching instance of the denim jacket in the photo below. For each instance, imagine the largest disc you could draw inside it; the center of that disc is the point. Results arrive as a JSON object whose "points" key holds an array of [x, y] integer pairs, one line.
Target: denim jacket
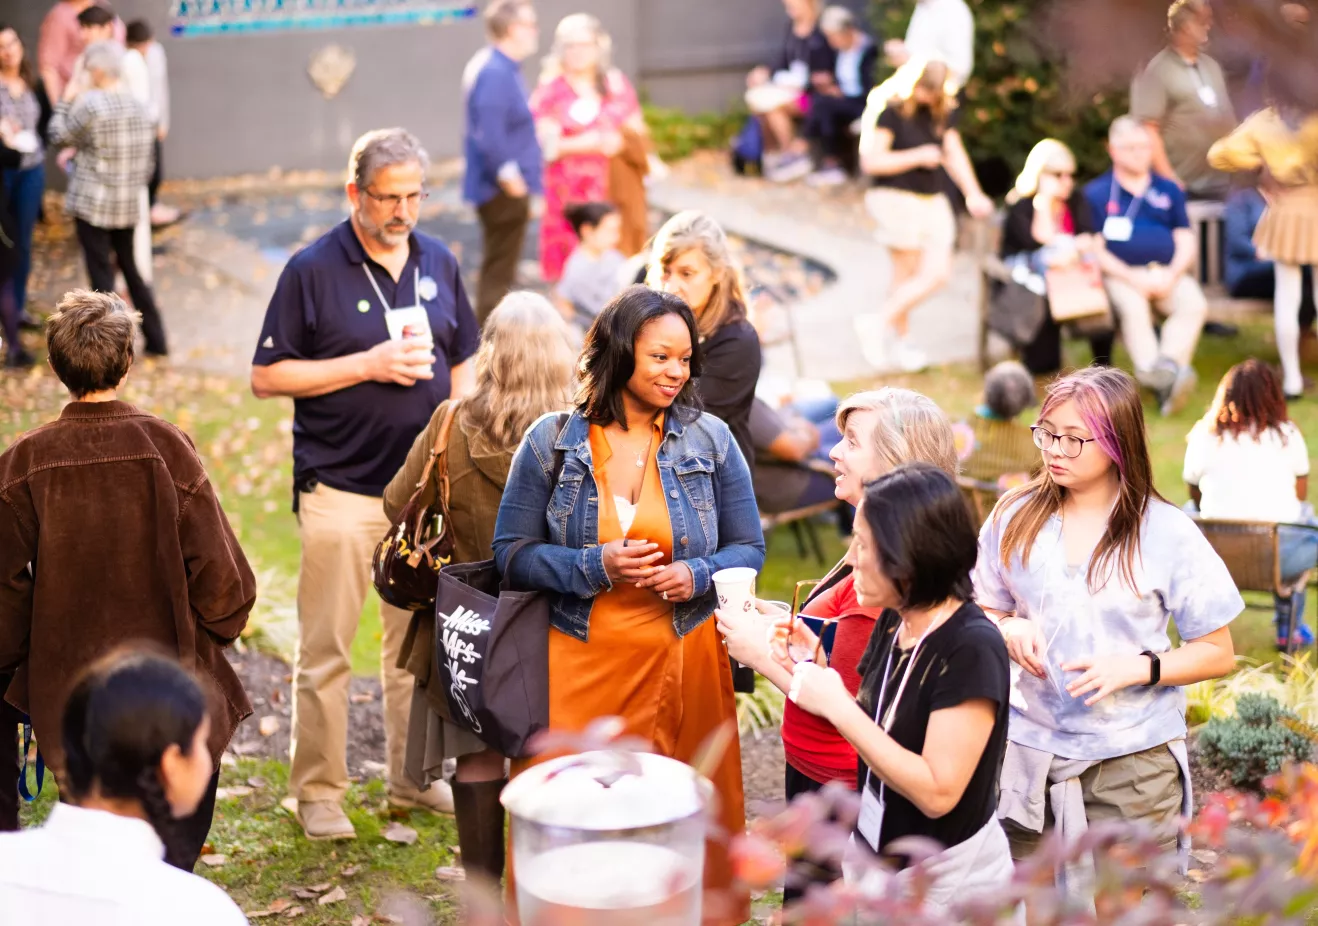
{"points": [[711, 506]]}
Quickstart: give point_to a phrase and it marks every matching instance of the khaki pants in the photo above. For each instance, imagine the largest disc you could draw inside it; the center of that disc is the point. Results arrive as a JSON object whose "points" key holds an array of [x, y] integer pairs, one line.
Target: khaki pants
{"points": [[339, 533], [1185, 309], [1144, 786]]}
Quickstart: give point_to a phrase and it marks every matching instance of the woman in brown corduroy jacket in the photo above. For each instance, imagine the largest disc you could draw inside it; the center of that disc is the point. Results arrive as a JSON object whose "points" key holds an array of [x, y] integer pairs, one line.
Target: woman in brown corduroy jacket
{"points": [[112, 534], [524, 369]]}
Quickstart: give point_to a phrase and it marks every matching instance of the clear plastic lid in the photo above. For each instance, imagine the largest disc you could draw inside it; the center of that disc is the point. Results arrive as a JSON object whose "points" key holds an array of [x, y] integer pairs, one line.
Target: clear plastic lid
{"points": [[606, 791]]}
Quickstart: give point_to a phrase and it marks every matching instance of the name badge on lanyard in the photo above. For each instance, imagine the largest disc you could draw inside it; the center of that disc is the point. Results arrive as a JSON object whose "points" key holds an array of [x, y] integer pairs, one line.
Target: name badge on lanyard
{"points": [[1120, 227], [1208, 96], [870, 821], [405, 322]]}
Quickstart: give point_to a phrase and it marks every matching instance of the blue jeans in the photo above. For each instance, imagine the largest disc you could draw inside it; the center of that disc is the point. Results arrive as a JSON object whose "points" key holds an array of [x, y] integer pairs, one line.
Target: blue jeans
{"points": [[822, 413], [24, 189]]}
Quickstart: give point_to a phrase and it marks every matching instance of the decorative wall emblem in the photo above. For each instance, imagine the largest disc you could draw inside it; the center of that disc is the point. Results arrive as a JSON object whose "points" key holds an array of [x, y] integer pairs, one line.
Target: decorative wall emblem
{"points": [[330, 69]]}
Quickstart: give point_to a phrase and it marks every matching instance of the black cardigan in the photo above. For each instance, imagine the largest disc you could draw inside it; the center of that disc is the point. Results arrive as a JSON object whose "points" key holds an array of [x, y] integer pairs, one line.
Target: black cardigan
{"points": [[730, 370], [1017, 230]]}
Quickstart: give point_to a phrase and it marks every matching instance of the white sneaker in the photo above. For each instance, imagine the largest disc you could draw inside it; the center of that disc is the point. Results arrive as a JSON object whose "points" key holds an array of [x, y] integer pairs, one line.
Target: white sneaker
{"points": [[875, 338], [910, 359], [790, 168], [828, 177]]}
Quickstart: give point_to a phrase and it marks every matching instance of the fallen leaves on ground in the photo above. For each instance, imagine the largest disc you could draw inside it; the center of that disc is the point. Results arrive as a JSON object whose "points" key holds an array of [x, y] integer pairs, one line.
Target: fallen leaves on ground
{"points": [[338, 895], [269, 725], [214, 861], [232, 793], [450, 873], [275, 908], [397, 832]]}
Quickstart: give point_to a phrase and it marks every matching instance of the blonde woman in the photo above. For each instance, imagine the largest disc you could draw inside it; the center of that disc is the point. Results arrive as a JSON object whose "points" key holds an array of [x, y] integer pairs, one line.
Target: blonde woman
{"points": [[910, 146], [524, 368], [1049, 222], [881, 430], [691, 259], [581, 108]]}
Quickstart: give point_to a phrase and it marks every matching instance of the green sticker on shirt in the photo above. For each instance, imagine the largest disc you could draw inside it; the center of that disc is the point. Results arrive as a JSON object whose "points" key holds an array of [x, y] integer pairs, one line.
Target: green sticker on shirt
{"points": [[363, 306]]}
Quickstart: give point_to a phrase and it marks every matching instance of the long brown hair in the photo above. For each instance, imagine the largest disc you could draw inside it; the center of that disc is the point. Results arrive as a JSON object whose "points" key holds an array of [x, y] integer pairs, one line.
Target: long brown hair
{"points": [[933, 79], [1108, 401], [690, 231], [524, 368], [1249, 401], [27, 71]]}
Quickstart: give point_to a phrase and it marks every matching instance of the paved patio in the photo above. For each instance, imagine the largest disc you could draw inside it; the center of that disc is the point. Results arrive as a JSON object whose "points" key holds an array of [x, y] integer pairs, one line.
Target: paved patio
{"points": [[808, 252]]}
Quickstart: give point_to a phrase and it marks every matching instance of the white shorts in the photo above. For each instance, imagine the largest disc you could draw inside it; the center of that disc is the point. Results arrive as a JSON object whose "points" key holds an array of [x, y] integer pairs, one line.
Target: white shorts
{"points": [[911, 221]]}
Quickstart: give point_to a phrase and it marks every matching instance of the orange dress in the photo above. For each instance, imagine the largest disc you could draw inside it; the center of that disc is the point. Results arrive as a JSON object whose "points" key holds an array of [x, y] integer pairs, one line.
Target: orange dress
{"points": [[673, 691]]}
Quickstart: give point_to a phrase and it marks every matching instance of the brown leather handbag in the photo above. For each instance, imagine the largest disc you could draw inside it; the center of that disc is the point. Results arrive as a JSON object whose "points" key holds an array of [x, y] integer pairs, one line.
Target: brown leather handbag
{"points": [[406, 564]]}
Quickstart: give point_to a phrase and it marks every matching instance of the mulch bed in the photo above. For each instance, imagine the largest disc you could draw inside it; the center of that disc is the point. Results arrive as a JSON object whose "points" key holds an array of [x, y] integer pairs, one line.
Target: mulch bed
{"points": [[269, 684]]}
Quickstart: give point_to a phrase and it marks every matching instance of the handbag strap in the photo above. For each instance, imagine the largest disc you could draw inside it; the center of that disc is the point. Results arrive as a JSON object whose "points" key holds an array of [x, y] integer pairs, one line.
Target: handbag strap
{"points": [[438, 456]]}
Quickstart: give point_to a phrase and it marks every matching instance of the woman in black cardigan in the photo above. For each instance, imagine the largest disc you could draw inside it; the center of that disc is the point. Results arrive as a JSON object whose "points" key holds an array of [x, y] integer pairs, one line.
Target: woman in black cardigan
{"points": [[1046, 207]]}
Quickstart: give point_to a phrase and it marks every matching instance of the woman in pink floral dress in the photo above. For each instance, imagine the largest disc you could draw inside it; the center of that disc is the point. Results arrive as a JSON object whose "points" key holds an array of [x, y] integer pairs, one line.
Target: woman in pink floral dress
{"points": [[581, 107]]}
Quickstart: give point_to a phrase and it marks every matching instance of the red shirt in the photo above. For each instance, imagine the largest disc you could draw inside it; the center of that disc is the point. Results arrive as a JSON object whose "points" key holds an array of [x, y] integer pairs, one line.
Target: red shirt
{"points": [[812, 744]]}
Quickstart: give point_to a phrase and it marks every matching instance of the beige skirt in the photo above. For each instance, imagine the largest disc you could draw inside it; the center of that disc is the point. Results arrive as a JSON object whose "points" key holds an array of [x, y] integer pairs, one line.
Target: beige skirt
{"points": [[1288, 231]]}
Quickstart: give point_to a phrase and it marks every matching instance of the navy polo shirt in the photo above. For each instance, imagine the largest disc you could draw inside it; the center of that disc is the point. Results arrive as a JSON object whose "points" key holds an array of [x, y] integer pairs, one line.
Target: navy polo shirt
{"points": [[1161, 211], [357, 438]]}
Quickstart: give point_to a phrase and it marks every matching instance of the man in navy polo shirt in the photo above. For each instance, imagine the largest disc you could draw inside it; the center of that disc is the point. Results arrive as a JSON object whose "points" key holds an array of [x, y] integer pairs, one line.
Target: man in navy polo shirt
{"points": [[1147, 257], [369, 330], [504, 161]]}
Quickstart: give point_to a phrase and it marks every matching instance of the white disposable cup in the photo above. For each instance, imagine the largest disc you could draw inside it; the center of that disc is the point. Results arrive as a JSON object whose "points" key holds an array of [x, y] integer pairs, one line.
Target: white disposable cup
{"points": [[735, 589]]}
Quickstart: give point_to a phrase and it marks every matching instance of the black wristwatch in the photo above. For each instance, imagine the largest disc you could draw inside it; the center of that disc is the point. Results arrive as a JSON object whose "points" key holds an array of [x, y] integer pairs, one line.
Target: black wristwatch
{"points": [[1155, 668]]}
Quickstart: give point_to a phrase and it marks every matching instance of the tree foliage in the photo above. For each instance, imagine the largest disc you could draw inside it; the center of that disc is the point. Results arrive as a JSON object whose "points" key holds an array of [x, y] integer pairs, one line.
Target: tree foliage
{"points": [[1019, 91]]}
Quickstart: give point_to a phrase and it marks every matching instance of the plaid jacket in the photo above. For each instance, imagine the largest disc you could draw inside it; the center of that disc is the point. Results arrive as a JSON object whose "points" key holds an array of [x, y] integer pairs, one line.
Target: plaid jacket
{"points": [[114, 139]]}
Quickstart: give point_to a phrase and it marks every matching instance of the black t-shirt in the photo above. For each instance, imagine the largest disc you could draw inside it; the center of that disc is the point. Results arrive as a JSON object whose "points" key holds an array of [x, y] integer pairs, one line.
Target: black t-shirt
{"points": [[963, 659], [918, 130], [811, 50], [727, 381]]}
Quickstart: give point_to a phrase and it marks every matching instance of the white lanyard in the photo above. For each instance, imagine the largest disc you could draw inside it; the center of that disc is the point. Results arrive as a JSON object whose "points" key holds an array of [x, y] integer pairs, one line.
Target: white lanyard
{"points": [[886, 723], [1135, 201], [416, 287]]}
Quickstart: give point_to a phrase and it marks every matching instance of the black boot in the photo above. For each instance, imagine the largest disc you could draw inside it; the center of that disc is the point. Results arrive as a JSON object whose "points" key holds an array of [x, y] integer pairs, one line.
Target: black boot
{"points": [[480, 826]]}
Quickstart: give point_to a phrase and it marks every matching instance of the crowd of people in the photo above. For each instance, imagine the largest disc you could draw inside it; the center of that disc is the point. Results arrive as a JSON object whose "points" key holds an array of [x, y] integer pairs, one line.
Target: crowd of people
{"points": [[979, 685]]}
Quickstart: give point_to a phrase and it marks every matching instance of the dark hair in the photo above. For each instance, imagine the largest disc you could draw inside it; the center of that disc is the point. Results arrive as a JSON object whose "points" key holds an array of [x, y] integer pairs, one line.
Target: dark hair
{"points": [[27, 71], [123, 714], [587, 215], [90, 341], [924, 539], [608, 358], [139, 31], [1249, 401], [95, 15]]}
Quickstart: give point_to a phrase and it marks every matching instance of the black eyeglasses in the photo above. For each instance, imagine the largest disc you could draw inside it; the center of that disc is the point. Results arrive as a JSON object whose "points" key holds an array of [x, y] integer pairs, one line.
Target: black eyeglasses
{"points": [[392, 202], [1070, 445]]}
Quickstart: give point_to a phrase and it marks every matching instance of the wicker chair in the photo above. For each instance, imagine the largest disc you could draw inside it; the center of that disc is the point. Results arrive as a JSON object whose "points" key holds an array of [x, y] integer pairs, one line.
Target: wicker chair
{"points": [[980, 497]]}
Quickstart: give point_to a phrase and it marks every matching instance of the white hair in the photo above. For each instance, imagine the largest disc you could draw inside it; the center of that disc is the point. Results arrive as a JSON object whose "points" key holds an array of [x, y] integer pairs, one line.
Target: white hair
{"points": [[1124, 125], [106, 58], [836, 19], [384, 148]]}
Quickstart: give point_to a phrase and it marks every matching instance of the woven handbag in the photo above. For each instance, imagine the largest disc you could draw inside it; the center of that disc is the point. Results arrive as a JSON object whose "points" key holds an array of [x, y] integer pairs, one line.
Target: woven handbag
{"points": [[406, 564]]}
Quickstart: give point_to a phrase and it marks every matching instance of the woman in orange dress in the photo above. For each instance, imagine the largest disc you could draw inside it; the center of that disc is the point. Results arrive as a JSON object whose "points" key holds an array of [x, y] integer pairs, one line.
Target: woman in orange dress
{"points": [[631, 507]]}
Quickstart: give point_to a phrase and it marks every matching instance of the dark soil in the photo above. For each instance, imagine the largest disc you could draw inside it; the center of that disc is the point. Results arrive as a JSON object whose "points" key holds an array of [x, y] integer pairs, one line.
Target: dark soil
{"points": [[269, 684]]}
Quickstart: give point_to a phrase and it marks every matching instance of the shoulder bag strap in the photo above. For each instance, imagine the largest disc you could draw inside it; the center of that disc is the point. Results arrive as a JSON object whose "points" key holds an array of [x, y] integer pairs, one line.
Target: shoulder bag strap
{"points": [[438, 455]]}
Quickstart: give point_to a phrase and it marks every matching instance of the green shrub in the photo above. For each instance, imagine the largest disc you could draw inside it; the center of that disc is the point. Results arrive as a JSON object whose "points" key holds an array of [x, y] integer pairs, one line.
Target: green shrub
{"points": [[1255, 742], [1017, 94], [677, 135]]}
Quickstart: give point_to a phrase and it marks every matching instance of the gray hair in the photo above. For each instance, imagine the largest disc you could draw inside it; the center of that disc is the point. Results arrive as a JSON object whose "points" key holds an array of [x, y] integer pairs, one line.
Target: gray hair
{"points": [[836, 19], [1124, 125], [106, 58], [1009, 390], [382, 148], [500, 16]]}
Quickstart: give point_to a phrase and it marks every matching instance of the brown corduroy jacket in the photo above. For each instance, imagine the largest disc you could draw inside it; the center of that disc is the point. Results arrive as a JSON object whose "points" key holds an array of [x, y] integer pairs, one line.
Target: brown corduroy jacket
{"points": [[127, 544]]}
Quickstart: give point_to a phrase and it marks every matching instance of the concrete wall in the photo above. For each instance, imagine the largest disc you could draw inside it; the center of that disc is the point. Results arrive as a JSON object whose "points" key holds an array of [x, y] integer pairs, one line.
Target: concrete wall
{"points": [[244, 103]]}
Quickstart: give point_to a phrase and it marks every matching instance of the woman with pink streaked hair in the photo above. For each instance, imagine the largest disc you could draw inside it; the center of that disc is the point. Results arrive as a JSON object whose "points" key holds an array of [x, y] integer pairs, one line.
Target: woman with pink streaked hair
{"points": [[1085, 568]]}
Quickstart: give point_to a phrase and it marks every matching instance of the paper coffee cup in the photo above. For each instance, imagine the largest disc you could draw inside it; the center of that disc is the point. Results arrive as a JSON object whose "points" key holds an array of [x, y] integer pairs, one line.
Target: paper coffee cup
{"points": [[735, 588]]}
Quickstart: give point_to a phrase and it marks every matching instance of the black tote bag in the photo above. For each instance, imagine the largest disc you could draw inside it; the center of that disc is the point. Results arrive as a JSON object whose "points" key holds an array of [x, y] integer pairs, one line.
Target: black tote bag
{"points": [[492, 655]]}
